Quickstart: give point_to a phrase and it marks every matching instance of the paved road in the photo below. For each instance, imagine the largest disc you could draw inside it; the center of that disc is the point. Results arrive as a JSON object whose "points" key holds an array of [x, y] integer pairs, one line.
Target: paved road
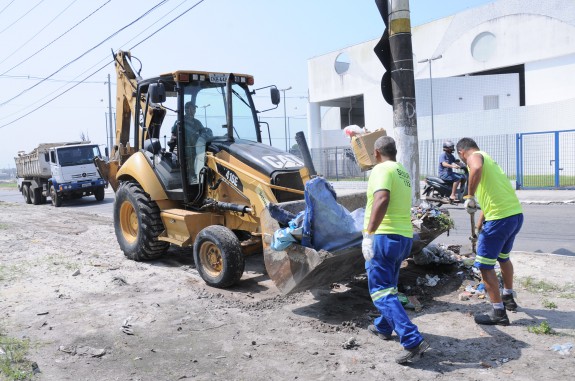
{"points": [[547, 228]]}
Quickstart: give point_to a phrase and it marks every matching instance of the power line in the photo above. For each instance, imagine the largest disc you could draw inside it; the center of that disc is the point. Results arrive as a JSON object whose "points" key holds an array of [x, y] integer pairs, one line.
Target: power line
{"points": [[47, 79], [86, 52], [21, 17], [40, 31], [72, 81], [98, 70], [56, 97], [57, 38], [3, 9], [169, 22]]}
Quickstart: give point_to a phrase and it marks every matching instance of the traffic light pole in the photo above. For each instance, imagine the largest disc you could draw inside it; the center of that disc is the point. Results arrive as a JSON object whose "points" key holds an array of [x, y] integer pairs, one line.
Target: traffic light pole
{"points": [[394, 50]]}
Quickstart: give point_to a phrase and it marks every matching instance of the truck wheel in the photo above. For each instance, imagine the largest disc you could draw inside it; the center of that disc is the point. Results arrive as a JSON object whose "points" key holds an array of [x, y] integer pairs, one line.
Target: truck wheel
{"points": [[218, 256], [56, 200], [99, 194], [36, 195], [137, 223], [26, 193]]}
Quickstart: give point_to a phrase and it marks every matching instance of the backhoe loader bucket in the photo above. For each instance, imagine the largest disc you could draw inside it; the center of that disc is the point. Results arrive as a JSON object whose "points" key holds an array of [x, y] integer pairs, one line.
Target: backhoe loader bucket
{"points": [[299, 268]]}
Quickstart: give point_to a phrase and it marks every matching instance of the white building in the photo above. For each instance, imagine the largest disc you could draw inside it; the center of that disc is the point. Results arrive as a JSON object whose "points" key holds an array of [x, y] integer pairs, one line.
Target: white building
{"points": [[505, 67]]}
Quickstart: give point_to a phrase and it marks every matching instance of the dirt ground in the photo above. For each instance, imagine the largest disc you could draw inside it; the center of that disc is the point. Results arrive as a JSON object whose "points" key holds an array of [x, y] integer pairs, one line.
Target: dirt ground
{"points": [[91, 314]]}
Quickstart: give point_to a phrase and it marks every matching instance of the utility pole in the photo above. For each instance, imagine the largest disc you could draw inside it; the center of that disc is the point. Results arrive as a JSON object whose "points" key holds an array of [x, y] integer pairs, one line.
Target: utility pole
{"points": [[430, 60], [111, 143], [285, 118], [398, 84]]}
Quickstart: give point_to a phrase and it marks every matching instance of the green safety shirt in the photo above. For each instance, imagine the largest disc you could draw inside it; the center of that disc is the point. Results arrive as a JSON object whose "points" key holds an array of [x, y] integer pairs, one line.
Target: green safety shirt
{"points": [[495, 194], [391, 176]]}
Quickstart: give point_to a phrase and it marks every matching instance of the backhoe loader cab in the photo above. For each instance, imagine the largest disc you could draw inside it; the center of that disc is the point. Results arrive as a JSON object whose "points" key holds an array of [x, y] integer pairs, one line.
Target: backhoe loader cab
{"points": [[189, 168]]}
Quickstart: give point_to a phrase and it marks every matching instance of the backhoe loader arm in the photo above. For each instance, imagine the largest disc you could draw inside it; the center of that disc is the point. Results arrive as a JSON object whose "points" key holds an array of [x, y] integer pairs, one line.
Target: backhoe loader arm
{"points": [[127, 79], [126, 93]]}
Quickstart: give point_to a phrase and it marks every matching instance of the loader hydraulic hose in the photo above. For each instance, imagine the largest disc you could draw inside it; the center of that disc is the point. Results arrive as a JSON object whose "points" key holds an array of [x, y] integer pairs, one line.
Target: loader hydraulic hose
{"points": [[303, 148]]}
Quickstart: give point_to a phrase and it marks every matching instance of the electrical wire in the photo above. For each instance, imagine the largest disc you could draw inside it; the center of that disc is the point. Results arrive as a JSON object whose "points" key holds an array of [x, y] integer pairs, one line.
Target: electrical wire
{"points": [[21, 17], [171, 21], [3, 9], [47, 79], [56, 97], [40, 31], [57, 38], [98, 70], [7, 116], [86, 52]]}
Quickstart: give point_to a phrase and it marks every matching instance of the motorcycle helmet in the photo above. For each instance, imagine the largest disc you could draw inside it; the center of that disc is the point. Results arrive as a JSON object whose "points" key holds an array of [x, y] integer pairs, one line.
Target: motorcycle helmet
{"points": [[448, 144]]}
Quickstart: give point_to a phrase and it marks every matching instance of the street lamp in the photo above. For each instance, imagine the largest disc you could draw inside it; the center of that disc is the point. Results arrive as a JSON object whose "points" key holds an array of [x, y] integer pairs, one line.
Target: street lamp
{"points": [[429, 60], [205, 117], [285, 117]]}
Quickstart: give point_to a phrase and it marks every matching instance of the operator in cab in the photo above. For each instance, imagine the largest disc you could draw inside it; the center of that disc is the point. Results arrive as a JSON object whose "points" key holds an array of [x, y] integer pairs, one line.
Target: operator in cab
{"points": [[196, 136], [447, 163]]}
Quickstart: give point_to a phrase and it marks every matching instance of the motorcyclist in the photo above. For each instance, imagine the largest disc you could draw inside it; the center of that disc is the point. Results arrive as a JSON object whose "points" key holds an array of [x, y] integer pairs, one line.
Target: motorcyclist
{"points": [[447, 163]]}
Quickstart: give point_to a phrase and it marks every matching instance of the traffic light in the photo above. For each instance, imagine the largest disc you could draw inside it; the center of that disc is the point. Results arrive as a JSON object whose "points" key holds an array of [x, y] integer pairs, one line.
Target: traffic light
{"points": [[383, 52]]}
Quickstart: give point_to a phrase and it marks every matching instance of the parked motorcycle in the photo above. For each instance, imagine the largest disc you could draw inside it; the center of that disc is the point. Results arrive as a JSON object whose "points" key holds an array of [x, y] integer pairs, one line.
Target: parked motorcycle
{"points": [[437, 191]]}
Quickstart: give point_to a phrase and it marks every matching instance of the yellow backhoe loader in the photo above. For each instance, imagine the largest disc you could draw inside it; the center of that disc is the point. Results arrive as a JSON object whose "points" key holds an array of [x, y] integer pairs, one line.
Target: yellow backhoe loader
{"points": [[209, 187]]}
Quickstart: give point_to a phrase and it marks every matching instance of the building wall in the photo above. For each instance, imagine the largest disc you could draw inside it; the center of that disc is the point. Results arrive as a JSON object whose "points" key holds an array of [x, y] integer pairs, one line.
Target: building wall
{"points": [[538, 35]]}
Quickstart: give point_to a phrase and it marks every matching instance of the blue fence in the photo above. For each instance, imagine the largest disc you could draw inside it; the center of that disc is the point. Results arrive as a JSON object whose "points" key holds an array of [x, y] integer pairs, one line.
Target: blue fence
{"points": [[535, 160], [546, 160]]}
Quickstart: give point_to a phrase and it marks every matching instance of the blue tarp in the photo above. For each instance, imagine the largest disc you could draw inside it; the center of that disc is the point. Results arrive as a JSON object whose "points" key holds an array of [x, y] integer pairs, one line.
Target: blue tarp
{"points": [[326, 225]]}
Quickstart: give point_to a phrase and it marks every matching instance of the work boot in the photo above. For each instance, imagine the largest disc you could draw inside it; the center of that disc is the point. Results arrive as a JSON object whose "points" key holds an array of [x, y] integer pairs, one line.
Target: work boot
{"points": [[495, 317], [411, 353], [509, 302], [371, 328]]}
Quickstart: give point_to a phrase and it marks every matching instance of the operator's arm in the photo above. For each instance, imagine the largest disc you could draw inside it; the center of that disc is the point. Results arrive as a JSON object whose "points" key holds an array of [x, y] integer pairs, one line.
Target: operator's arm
{"points": [[378, 209], [475, 164]]}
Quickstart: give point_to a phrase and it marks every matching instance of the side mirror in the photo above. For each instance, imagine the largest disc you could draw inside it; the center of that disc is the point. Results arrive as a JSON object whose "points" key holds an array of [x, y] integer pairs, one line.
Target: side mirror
{"points": [[275, 96], [106, 152], [157, 92]]}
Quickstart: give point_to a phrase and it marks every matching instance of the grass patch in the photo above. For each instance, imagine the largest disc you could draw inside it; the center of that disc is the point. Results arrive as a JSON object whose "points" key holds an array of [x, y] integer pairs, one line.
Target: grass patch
{"points": [[13, 362], [568, 295], [533, 285], [3, 226], [9, 185], [549, 304], [542, 329], [547, 180]]}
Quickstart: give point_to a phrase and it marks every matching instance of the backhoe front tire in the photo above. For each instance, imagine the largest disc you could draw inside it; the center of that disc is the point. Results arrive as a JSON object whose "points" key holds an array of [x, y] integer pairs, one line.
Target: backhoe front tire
{"points": [[137, 223], [218, 256]]}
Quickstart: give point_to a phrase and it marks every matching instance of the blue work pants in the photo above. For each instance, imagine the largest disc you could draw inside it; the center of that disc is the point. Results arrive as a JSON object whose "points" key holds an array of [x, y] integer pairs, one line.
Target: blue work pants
{"points": [[383, 275]]}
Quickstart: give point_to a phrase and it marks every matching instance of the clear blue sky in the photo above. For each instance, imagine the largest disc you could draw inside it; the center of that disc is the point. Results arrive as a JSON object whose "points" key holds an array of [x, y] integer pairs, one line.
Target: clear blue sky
{"points": [[269, 39]]}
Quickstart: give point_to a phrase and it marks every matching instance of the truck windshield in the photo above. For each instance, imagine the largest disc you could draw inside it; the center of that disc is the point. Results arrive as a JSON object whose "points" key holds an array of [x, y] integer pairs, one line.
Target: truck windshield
{"points": [[205, 102], [77, 155]]}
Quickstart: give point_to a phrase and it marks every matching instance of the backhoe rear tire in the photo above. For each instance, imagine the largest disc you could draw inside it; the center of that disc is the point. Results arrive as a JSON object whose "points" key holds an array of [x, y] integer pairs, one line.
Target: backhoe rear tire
{"points": [[26, 193], [137, 223], [218, 256]]}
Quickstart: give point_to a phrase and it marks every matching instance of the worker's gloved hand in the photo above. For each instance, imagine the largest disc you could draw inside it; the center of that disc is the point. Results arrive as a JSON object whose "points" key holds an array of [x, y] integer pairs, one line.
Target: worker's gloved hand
{"points": [[367, 246], [470, 204]]}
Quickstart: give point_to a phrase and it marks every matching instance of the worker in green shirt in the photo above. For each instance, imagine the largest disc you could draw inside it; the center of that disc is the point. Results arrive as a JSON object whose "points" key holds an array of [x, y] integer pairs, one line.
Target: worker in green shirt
{"points": [[387, 241], [500, 219]]}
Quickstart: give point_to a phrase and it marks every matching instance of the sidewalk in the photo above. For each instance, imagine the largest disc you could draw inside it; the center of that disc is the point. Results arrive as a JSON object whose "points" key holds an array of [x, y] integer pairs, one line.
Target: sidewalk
{"points": [[536, 196]]}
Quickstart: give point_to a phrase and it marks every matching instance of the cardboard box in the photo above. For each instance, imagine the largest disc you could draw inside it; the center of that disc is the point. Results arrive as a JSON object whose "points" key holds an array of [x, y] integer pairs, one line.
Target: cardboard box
{"points": [[362, 146]]}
